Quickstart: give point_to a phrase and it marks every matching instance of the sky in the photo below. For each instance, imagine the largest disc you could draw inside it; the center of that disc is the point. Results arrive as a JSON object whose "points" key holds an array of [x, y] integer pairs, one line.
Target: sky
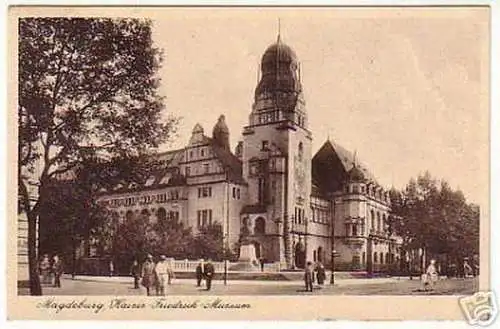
{"points": [[406, 88]]}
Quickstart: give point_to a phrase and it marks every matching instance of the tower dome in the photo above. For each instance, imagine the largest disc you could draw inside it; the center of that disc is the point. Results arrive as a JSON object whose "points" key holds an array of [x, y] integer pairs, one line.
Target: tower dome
{"points": [[279, 66], [220, 133], [356, 175]]}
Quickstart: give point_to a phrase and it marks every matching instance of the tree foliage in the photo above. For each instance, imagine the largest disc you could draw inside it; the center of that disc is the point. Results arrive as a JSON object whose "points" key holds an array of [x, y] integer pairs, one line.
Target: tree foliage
{"points": [[429, 214], [86, 85]]}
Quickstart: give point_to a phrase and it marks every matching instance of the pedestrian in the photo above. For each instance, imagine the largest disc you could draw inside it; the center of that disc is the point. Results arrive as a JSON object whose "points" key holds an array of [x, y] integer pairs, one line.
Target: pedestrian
{"points": [[261, 260], [163, 274], [44, 267], [111, 268], [148, 274], [467, 269], [432, 275], [308, 276], [57, 269], [209, 272], [135, 271], [320, 274], [199, 274]]}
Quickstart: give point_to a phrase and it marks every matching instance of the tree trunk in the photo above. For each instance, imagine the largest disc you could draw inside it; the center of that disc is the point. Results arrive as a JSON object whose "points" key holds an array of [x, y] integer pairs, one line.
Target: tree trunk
{"points": [[35, 286]]}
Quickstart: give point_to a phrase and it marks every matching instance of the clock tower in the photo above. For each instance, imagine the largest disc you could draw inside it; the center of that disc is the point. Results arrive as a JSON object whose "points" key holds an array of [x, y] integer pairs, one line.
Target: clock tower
{"points": [[276, 158]]}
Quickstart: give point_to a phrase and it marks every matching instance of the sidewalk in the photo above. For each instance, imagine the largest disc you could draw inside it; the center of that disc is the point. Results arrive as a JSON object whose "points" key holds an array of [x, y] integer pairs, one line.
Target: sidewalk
{"points": [[338, 282]]}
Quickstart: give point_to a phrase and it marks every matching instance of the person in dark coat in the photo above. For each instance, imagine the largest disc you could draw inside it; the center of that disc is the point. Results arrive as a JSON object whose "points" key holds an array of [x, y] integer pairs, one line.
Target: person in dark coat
{"points": [[261, 260], [148, 274], [308, 276], [57, 269], [45, 269], [209, 272], [199, 274], [320, 273], [135, 271]]}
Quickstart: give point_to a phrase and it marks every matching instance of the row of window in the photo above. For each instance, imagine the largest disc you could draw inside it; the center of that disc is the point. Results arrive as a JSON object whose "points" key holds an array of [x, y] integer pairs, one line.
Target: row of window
{"points": [[354, 229], [142, 200], [381, 221], [300, 216], [200, 152], [371, 190], [269, 117], [319, 215], [204, 217], [379, 258], [205, 192], [205, 170]]}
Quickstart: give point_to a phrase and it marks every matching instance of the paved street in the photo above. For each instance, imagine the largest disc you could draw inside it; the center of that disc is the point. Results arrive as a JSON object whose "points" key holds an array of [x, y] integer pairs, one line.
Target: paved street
{"points": [[388, 286]]}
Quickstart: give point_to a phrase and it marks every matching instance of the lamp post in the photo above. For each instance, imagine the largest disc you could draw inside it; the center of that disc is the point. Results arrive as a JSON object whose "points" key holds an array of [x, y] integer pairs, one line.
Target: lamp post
{"points": [[332, 278]]}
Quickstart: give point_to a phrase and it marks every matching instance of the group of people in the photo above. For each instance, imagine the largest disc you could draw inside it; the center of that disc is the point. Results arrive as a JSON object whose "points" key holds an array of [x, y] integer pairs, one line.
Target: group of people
{"points": [[152, 275], [158, 276], [309, 275], [51, 268]]}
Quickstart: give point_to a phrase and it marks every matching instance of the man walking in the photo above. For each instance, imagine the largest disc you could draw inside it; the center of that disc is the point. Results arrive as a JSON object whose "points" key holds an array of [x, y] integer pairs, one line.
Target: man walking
{"points": [[148, 274], [308, 277], [199, 274], [209, 272], [57, 268], [163, 273], [135, 271]]}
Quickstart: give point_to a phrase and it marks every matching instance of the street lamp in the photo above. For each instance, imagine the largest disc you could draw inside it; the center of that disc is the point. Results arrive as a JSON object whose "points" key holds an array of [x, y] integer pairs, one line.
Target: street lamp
{"points": [[332, 278]]}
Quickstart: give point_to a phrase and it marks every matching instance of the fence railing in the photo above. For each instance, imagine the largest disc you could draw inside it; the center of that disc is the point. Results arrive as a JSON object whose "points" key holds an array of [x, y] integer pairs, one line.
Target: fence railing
{"points": [[186, 265]]}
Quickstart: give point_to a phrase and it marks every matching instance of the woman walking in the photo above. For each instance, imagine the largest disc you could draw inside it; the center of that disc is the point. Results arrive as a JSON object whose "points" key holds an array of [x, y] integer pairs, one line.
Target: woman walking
{"points": [[148, 274]]}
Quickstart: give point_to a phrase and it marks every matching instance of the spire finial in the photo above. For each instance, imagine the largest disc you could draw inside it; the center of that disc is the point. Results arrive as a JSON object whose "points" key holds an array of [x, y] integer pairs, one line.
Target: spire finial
{"points": [[354, 158], [279, 29]]}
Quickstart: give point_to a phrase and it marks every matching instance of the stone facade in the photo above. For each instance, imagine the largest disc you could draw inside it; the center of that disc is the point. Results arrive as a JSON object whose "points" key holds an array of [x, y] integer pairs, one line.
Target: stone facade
{"points": [[293, 207]]}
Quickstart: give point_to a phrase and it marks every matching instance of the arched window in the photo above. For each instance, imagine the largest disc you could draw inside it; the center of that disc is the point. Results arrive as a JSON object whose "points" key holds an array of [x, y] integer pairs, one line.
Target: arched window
{"points": [[260, 226], [129, 215], [320, 254], [161, 215], [374, 257], [314, 255], [145, 215], [301, 151], [363, 258], [384, 222], [372, 213], [388, 259], [381, 258], [378, 222]]}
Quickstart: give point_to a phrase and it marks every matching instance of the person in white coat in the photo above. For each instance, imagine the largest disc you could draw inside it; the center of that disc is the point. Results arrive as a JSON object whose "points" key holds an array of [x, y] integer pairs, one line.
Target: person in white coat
{"points": [[163, 273]]}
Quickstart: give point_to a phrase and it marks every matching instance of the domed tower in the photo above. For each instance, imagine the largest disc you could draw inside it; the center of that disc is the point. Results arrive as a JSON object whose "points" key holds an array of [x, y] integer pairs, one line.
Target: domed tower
{"points": [[277, 155], [220, 133]]}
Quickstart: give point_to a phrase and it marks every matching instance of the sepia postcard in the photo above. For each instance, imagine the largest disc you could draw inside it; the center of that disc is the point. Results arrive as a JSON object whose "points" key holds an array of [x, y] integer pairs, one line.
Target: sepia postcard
{"points": [[236, 163]]}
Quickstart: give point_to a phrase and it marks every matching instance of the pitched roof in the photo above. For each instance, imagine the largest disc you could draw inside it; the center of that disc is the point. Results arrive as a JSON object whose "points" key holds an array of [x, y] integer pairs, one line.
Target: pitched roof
{"points": [[331, 165], [347, 158]]}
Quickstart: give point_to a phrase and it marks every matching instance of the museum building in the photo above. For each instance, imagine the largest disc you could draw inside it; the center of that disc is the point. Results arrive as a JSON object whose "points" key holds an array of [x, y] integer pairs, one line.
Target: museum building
{"points": [[293, 207]]}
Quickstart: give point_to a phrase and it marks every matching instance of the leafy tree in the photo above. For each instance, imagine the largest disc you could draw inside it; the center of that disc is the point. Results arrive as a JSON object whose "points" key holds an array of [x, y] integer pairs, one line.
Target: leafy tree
{"points": [[84, 84], [209, 243], [429, 214], [174, 238]]}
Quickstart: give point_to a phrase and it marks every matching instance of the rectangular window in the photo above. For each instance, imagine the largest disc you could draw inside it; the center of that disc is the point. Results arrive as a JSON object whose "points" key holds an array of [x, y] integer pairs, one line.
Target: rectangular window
{"points": [[199, 218], [210, 217], [188, 171], [234, 192], [238, 193], [206, 168], [265, 145], [261, 190]]}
